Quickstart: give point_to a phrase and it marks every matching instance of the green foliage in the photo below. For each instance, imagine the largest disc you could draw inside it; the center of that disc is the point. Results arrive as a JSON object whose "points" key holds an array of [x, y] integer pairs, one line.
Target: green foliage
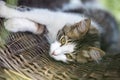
{"points": [[12, 2], [4, 33], [113, 6]]}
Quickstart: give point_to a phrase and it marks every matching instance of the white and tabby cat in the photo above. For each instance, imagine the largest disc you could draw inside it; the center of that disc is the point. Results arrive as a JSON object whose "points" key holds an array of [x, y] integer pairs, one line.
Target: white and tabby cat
{"points": [[70, 34]]}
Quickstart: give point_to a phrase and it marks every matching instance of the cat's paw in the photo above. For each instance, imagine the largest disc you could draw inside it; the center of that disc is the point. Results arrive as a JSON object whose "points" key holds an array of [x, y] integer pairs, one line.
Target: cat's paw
{"points": [[2, 3], [3, 9], [11, 25], [95, 54], [90, 54], [15, 25], [22, 25]]}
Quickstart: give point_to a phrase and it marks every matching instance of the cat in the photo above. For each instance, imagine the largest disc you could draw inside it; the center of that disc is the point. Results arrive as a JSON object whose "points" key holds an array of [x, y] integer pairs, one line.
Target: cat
{"points": [[89, 8], [69, 33], [86, 42], [94, 10]]}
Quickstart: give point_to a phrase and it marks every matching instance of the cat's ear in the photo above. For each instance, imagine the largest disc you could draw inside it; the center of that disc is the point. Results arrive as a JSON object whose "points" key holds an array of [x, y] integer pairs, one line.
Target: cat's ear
{"points": [[79, 29], [67, 28], [83, 26]]}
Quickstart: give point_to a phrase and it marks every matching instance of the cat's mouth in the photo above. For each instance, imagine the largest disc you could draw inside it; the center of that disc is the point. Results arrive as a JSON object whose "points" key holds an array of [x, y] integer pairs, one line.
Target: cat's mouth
{"points": [[54, 53]]}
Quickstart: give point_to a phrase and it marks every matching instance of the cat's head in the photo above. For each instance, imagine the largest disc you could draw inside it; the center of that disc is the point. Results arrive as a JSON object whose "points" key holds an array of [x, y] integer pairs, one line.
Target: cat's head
{"points": [[74, 38], [67, 35]]}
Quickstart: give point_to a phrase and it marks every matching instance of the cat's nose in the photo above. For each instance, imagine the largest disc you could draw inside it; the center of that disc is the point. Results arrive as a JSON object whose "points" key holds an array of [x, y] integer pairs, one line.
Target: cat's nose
{"points": [[53, 53]]}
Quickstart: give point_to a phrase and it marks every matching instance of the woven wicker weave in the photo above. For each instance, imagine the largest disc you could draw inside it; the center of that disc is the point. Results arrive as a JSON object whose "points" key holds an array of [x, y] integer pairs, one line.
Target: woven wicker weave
{"points": [[25, 57]]}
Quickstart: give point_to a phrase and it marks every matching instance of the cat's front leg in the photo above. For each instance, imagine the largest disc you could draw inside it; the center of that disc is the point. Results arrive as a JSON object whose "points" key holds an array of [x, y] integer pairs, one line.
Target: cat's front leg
{"points": [[5, 11], [2, 9], [22, 25], [42, 16]]}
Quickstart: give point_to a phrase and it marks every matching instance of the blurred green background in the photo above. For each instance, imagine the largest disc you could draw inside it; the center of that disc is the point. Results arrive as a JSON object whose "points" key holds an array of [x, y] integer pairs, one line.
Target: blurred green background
{"points": [[114, 7]]}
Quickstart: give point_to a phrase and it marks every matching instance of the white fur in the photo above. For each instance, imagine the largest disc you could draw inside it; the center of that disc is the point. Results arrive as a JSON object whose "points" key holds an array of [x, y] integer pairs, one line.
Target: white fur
{"points": [[19, 21], [57, 49], [60, 57], [73, 4], [20, 24], [93, 4]]}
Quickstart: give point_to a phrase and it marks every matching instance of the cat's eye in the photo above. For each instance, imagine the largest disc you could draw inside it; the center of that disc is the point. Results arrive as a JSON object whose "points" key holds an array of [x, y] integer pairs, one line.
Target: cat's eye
{"points": [[69, 56], [63, 40]]}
